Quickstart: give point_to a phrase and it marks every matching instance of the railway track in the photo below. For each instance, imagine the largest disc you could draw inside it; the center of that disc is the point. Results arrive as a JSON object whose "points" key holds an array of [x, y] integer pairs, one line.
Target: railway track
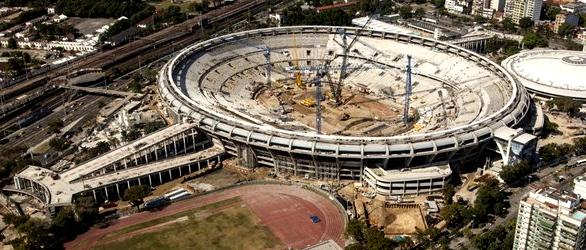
{"points": [[160, 38], [183, 34]]}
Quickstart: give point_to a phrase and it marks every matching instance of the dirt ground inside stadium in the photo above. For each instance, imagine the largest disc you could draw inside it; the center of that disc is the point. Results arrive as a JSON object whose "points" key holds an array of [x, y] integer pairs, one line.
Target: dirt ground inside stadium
{"points": [[284, 210]]}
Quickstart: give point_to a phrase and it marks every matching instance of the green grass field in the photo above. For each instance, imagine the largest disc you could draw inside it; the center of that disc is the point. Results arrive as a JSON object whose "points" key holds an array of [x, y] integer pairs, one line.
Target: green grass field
{"points": [[227, 224]]}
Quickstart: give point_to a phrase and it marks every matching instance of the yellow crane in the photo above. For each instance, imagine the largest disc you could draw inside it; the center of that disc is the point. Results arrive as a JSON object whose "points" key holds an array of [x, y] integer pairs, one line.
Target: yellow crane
{"points": [[298, 82]]}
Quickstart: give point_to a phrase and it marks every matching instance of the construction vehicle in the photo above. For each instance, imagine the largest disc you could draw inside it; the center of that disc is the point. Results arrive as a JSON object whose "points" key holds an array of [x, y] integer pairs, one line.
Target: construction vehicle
{"points": [[308, 102]]}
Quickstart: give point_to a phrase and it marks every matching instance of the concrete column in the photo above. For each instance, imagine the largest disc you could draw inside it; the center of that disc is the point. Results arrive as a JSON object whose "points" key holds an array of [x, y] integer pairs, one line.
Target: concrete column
{"points": [[170, 175], [156, 152], [146, 158], [16, 182], [180, 171], [125, 164], [175, 145], [193, 138], [114, 165], [128, 183], [430, 185], [118, 190], [184, 143], [160, 178], [150, 181], [198, 166], [106, 189], [166, 155], [95, 196], [135, 159], [138, 181]]}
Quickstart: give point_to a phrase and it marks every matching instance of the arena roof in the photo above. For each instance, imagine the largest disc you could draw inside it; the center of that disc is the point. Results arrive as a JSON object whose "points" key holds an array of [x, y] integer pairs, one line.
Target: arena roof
{"points": [[550, 72]]}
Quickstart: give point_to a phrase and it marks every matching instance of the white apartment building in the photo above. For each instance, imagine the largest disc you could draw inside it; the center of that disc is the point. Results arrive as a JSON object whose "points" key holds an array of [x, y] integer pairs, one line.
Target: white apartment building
{"points": [[497, 5], [457, 6], [580, 186], [550, 219], [517, 9]]}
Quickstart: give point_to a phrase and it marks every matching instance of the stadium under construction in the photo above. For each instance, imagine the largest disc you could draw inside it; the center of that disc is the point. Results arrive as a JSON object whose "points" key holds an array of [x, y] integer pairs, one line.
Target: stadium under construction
{"points": [[397, 111]]}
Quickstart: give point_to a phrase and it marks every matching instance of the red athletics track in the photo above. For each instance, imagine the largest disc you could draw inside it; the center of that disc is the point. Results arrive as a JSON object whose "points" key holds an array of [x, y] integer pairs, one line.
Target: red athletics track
{"points": [[284, 209]]}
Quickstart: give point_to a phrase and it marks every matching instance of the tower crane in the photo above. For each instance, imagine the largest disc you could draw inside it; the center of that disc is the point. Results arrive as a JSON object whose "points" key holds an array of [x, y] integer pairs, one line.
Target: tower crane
{"points": [[337, 93], [407, 91], [298, 82]]}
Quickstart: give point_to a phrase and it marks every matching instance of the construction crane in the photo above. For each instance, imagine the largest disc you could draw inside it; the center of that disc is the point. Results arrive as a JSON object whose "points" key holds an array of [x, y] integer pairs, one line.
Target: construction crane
{"points": [[407, 91], [337, 93], [298, 82], [318, 95]]}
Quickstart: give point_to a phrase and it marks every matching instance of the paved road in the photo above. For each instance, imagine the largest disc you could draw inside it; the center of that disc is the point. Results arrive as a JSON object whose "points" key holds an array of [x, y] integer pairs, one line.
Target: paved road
{"points": [[546, 178]]}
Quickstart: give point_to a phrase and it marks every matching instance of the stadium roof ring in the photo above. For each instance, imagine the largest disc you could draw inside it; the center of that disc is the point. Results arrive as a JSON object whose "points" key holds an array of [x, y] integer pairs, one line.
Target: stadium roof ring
{"points": [[550, 73], [210, 82]]}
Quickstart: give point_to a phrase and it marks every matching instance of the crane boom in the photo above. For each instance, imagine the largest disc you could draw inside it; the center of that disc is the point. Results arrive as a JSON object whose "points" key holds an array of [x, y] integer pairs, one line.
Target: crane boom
{"points": [[337, 95], [298, 82]]}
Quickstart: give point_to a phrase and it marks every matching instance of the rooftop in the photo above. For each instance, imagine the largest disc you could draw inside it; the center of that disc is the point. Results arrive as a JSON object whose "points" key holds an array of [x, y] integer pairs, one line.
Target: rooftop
{"points": [[408, 174], [555, 72]]}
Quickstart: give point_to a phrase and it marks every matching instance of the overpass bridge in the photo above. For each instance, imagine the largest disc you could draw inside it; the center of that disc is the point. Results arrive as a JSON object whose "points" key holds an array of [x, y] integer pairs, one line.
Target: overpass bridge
{"points": [[101, 91]]}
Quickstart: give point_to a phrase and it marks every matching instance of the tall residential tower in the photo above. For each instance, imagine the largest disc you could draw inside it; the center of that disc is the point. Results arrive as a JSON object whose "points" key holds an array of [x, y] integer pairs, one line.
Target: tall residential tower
{"points": [[550, 219]]}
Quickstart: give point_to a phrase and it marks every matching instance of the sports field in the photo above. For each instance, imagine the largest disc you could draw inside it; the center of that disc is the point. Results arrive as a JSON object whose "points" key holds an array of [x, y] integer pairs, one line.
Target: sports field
{"points": [[227, 224], [263, 216]]}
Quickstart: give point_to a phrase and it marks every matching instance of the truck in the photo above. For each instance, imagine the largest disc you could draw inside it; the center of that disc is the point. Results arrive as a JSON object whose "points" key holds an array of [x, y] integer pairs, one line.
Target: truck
{"points": [[155, 203]]}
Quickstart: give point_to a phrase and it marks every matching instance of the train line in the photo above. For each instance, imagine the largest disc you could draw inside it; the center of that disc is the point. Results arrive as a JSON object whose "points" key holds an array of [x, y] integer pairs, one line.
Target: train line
{"points": [[160, 38], [184, 34]]}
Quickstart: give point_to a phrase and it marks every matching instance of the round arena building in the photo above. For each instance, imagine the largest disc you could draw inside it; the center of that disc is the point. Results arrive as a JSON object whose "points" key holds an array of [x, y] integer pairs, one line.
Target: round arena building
{"points": [[550, 73], [262, 94]]}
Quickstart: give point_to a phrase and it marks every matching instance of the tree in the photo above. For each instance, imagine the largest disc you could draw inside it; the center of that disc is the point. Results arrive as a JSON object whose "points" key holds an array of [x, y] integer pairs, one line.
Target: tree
{"points": [[489, 200], [501, 237], [565, 104], [86, 210], [551, 11], [55, 126], [376, 239], [130, 135], [525, 23], [13, 219], [552, 151], [136, 193], [448, 192], [550, 128], [566, 29], [419, 12], [532, 40], [59, 144], [65, 226], [455, 215], [354, 229], [367, 238], [511, 174], [508, 25], [38, 234], [580, 145], [405, 11], [12, 43]]}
